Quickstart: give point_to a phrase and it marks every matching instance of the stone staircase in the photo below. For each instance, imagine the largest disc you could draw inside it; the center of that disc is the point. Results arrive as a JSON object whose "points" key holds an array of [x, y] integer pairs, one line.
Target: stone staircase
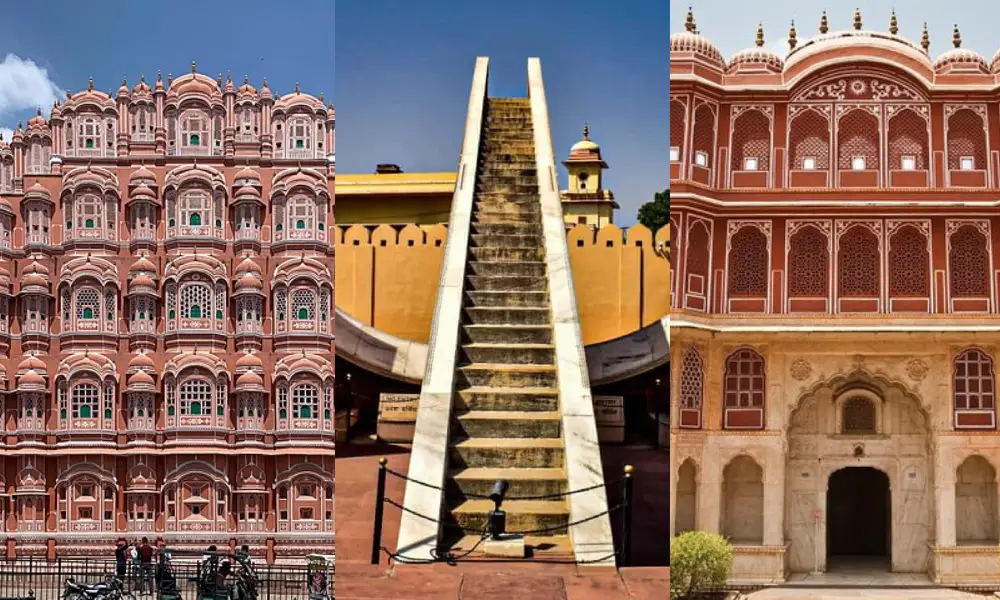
{"points": [[506, 422]]}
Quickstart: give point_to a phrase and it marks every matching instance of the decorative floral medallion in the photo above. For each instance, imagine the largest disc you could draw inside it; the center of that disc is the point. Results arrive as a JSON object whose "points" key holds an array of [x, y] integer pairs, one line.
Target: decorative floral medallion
{"points": [[801, 370], [916, 369]]}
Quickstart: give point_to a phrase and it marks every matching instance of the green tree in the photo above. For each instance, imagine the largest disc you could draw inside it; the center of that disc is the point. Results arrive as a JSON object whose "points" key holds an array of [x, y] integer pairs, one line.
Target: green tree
{"points": [[656, 213], [700, 562]]}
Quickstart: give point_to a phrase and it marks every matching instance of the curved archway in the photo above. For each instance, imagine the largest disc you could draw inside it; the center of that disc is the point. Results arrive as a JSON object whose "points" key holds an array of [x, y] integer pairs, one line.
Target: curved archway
{"points": [[687, 497], [858, 515]]}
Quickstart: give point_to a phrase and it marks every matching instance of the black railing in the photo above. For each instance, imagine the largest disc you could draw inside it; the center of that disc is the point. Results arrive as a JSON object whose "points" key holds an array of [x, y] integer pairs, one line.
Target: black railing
{"points": [[46, 580]]}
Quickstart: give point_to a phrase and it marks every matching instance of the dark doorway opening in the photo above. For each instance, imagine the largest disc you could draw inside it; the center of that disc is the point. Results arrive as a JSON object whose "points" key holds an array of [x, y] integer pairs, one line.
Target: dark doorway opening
{"points": [[858, 509]]}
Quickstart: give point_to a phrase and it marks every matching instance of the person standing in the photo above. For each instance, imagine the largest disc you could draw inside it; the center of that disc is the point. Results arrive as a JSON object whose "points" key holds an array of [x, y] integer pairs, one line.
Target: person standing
{"points": [[121, 559], [146, 553]]}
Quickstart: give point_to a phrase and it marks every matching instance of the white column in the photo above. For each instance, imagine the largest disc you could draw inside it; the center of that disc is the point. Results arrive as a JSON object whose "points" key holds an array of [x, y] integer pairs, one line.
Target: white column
{"points": [[774, 499], [944, 497]]}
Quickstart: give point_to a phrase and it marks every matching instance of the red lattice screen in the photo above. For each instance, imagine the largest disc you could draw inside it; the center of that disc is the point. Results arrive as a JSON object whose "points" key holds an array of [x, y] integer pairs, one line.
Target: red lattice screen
{"points": [[907, 137], [966, 137], [744, 390], [691, 392], [673, 238], [697, 252], [748, 263], [858, 262], [677, 125], [909, 264], [752, 138], [810, 136], [968, 261], [975, 398], [808, 264], [704, 131], [857, 135]]}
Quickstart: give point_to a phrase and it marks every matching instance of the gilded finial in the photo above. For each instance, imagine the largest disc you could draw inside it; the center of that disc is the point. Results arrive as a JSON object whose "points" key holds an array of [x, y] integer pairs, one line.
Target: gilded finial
{"points": [[586, 131], [689, 21], [297, 87], [824, 25], [142, 78], [246, 80], [321, 98], [893, 24], [760, 35], [956, 37], [90, 85], [68, 94], [229, 76], [38, 111], [265, 82], [218, 80], [124, 81], [170, 78], [194, 67], [159, 76], [925, 39], [792, 39], [857, 19]]}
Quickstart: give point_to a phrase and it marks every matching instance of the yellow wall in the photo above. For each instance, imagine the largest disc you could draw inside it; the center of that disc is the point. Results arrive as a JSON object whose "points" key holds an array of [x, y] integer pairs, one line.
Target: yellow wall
{"points": [[595, 212], [377, 209], [622, 283]]}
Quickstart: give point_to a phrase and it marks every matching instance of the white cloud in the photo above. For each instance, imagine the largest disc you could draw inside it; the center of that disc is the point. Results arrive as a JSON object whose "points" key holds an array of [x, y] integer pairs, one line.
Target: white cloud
{"points": [[6, 134], [23, 86], [780, 46]]}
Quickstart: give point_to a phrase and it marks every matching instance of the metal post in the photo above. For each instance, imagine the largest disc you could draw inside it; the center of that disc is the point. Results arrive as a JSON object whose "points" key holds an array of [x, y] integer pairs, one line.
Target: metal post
{"points": [[350, 408], [627, 519], [379, 505]]}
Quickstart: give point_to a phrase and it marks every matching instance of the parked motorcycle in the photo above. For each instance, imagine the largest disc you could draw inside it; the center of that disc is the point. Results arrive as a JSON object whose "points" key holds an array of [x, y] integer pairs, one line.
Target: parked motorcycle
{"points": [[111, 589]]}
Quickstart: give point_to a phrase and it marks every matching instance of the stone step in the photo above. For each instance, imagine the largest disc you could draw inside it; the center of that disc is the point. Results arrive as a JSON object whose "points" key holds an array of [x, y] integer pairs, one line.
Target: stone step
{"points": [[526, 283], [507, 424], [505, 399], [519, 149], [523, 482], [499, 315], [513, 198], [506, 188], [507, 298], [495, 179], [507, 160], [492, 268], [514, 334], [506, 376], [506, 240], [507, 453], [522, 515], [507, 254], [518, 207], [509, 354], [558, 548], [533, 229], [485, 216]]}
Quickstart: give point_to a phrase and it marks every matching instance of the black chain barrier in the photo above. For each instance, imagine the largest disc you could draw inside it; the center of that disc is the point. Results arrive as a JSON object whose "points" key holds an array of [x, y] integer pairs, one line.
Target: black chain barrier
{"points": [[439, 555]]}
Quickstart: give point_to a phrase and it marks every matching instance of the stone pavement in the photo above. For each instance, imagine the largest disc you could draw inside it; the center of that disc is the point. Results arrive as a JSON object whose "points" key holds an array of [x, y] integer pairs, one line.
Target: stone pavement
{"points": [[481, 580], [779, 593]]}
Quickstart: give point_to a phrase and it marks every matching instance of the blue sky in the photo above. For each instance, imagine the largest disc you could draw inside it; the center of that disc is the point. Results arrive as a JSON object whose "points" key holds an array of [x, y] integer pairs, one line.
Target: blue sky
{"points": [[43, 52], [406, 68]]}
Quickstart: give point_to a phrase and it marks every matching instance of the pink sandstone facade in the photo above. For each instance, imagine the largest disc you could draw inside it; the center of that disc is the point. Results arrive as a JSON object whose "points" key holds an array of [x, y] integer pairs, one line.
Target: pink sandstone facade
{"points": [[166, 321], [835, 293]]}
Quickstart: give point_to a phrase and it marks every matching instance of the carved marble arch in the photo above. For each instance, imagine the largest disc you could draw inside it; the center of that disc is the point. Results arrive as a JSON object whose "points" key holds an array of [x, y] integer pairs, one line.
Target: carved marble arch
{"points": [[815, 410], [974, 390], [743, 501], [809, 137], [810, 246], [704, 134], [976, 502], [858, 137], [678, 125], [909, 137], [750, 138], [909, 258], [749, 258], [965, 132], [686, 508]]}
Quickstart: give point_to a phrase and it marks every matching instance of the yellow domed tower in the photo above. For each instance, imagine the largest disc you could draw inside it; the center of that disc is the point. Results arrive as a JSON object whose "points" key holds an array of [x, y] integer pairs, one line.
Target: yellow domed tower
{"points": [[586, 201]]}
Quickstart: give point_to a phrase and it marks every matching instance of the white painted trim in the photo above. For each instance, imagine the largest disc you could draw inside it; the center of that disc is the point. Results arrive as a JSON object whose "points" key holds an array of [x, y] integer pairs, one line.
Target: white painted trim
{"points": [[676, 323], [592, 540], [803, 202], [429, 455]]}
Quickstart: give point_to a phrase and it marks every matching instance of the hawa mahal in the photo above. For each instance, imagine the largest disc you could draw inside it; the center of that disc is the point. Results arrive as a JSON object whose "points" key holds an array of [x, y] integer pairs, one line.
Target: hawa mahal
{"points": [[835, 322], [166, 321]]}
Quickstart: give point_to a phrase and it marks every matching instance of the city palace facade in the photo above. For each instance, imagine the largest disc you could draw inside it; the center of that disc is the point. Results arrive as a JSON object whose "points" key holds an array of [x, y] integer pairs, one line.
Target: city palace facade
{"points": [[834, 296], [166, 310]]}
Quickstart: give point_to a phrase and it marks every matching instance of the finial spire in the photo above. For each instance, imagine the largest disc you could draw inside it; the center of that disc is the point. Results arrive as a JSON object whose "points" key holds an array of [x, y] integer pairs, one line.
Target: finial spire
{"points": [[792, 39], [893, 24], [229, 76], [956, 37], [218, 80], [297, 88], [142, 78], [38, 111], [857, 19], [824, 24], [586, 131], [90, 85], [170, 78], [124, 81], [689, 21], [246, 80], [925, 40], [759, 42], [194, 67]]}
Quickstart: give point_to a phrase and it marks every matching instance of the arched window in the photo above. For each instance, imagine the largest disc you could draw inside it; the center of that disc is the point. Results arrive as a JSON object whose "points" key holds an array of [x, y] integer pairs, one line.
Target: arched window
{"points": [[748, 263], [88, 302], [909, 264], [859, 261], [974, 389], [305, 402], [194, 133], [86, 401], [299, 138], [691, 391], [969, 263], [195, 301], [196, 398], [303, 305], [808, 264], [195, 206], [744, 391]]}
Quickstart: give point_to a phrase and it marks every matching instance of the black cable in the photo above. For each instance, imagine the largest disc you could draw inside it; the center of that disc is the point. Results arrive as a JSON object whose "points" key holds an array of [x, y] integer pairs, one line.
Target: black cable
{"points": [[486, 497]]}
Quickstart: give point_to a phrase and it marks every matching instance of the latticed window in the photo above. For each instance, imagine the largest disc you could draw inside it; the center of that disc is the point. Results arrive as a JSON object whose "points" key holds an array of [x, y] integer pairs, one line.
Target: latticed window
{"points": [[299, 134], [691, 391], [63, 397], [909, 264], [704, 132], [858, 417], [196, 397], [975, 395], [303, 305], [966, 138], [109, 307], [327, 401], [220, 301], [748, 263], [89, 137], [88, 215], [809, 141], [751, 139], [857, 137], [195, 207], [220, 397], [86, 401], [968, 263], [808, 263], [282, 401], [88, 304], [194, 129], [744, 390], [281, 304], [324, 304], [305, 401], [859, 263], [677, 116], [109, 399], [301, 213], [907, 138], [196, 299]]}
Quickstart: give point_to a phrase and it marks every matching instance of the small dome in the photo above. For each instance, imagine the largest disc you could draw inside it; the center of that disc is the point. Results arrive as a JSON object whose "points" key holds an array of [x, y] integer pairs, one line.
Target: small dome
{"points": [[756, 59], [5, 207], [141, 362], [249, 382], [37, 122], [31, 381], [142, 265], [142, 176], [36, 267], [585, 146], [141, 281], [249, 360], [247, 266], [249, 281], [960, 59], [995, 63], [692, 43], [37, 191], [194, 83], [30, 363], [140, 381], [247, 173]]}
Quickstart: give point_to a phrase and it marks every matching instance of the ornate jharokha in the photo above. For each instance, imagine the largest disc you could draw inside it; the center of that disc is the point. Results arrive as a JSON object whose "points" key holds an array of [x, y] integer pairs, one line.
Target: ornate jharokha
{"points": [[834, 302], [166, 300]]}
